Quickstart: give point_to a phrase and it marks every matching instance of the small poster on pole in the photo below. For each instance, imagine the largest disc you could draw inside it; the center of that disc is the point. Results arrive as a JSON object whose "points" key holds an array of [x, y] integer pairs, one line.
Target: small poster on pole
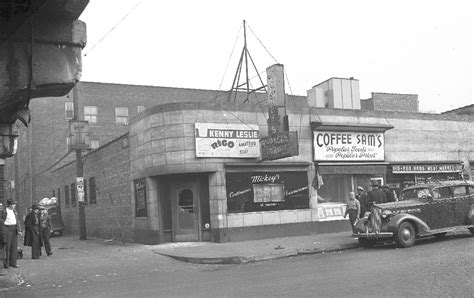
{"points": [[80, 189]]}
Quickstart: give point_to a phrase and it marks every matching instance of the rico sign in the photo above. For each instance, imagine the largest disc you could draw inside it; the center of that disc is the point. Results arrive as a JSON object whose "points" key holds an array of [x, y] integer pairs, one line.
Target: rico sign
{"points": [[227, 140], [348, 146]]}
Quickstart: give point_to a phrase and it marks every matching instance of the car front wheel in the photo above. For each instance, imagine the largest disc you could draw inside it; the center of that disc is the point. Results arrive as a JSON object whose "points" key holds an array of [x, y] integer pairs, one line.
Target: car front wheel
{"points": [[405, 236]]}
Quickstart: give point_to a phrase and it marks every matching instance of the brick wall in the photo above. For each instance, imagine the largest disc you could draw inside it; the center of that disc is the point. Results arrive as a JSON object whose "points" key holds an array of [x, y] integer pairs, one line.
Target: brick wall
{"points": [[110, 166], [391, 102]]}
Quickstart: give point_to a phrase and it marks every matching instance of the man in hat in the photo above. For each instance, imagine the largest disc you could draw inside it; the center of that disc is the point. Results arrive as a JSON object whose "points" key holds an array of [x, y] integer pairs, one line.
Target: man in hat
{"points": [[362, 197], [12, 230], [388, 193], [376, 195], [32, 232]]}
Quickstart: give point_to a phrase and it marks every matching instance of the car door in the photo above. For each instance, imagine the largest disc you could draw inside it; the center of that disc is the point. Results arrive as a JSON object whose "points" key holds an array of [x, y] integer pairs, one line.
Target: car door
{"points": [[462, 204], [441, 209]]}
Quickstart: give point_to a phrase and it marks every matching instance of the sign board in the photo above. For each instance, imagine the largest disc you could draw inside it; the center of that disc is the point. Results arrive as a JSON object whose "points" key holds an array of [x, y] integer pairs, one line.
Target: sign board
{"points": [[80, 189], [227, 140], [348, 146], [427, 168], [279, 145], [329, 211]]}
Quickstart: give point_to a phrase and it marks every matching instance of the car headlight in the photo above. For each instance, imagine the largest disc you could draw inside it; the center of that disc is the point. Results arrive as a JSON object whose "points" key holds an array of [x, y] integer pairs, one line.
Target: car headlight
{"points": [[386, 213]]}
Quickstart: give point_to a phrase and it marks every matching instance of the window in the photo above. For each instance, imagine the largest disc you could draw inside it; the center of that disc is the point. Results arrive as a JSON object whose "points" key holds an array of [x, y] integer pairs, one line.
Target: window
{"points": [[140, 198], [459, 191], [54, 193], [73, 194], [66, 195], [59, 197], [90, 114], [69, 110], [94, 144], [441, 193], [140, 109], [92, 189], [121, 115]]}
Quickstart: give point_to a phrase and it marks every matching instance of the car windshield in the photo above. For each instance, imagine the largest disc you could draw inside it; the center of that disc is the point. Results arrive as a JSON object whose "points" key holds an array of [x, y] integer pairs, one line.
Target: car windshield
{"points": [[416, 193]]}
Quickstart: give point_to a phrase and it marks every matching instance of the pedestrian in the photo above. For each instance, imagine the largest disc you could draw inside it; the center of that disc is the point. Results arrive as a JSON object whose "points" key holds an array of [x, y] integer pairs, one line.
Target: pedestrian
{"points": [[2, 241], [12, 229], [45, 229], [32, 232], [362, 198], [353, 209], [376, 195], [388, 194]]}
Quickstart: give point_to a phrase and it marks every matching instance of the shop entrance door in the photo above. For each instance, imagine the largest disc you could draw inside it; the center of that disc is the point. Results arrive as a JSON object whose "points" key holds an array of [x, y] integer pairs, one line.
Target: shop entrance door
{"points": [[185, 205]]}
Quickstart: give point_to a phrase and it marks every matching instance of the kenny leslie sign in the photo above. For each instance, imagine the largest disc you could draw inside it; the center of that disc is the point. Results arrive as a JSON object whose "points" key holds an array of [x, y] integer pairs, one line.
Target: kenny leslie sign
{"points": [[227, 140], [348, 146]]}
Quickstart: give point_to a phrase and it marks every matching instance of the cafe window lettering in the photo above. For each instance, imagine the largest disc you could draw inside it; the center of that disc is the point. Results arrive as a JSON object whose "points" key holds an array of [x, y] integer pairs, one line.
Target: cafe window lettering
{"points": [[140, 198], [266, 191]]}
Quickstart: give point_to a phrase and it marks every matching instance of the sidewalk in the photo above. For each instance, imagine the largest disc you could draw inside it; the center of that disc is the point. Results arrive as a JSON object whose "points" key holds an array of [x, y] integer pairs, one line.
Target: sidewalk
{"points": [[72, 254]]}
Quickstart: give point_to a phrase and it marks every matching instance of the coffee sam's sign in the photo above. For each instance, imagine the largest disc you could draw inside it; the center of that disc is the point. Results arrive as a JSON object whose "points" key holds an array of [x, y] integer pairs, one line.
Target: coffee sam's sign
{"points": [[348, 146], [227, 140]]}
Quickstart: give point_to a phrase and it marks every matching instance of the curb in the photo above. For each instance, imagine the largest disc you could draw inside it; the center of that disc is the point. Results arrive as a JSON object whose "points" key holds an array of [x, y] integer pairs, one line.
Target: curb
{"points": [[11, 281], [258, 258]]}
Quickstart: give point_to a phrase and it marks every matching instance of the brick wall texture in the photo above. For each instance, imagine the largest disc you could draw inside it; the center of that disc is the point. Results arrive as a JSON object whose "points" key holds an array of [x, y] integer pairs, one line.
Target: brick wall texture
{"points": [[112, 215]]}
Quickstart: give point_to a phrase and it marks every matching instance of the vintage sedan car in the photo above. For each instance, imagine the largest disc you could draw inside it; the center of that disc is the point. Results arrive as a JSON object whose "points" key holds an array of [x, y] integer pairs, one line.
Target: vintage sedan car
{"points": [[423, 210]]}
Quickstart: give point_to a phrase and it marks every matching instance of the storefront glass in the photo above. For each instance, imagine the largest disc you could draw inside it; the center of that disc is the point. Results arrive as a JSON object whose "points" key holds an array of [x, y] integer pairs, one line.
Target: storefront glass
{"points": [[266, 191]]}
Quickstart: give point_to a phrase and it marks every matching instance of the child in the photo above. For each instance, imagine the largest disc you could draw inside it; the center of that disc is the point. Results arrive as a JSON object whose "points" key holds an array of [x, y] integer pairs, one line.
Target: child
{"points": [[353, 209]]}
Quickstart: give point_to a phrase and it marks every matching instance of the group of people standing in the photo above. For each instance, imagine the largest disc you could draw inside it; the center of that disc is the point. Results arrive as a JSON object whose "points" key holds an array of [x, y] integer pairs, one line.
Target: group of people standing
{"points": [[358, 205], [37, 232]]}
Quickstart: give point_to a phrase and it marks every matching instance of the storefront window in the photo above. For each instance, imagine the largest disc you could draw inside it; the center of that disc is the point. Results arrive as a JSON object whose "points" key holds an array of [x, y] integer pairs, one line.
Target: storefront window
{"points": [[266, 191], [336, 188]]}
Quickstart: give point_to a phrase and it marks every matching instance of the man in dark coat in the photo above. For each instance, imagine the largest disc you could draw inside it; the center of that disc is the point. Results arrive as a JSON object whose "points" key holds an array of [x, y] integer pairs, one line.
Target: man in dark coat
{"points": [[45, 229], [376, 195], [362, 197], [12, 229], [388, 193], [32, 232]]}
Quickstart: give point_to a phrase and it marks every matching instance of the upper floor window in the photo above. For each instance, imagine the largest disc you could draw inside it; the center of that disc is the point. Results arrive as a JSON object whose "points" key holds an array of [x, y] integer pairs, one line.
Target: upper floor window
{"points": [[121, 115], [94, 144], [69, 110], [90, 114], [140, 109]]}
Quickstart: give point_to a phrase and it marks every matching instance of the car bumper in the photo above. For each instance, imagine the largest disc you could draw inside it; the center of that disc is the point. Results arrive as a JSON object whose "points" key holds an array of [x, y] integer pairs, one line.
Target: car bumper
{"points": [[371, 235]]}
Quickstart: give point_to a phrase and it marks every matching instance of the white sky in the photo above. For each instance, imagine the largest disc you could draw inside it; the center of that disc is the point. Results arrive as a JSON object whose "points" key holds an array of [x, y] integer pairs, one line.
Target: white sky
{"points": [[417, 47]]}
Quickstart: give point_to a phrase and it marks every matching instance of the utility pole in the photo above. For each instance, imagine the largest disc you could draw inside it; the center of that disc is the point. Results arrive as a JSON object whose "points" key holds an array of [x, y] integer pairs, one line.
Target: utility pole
{"points": [[79, 170]]}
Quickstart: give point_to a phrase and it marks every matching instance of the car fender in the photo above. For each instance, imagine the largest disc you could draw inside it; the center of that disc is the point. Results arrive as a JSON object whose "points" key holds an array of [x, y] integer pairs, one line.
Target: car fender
{"points": [[361, 224], [395, 221]]}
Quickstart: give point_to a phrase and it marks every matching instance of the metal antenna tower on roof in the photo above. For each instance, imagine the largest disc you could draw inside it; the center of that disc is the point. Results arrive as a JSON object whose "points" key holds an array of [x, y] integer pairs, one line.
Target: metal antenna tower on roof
{"points": [[244, 86]]}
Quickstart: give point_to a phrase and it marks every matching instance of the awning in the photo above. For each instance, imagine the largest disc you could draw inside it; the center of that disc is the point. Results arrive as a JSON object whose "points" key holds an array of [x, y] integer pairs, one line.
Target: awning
{"points": [[379, 169], [427, 168], [350, 127]]}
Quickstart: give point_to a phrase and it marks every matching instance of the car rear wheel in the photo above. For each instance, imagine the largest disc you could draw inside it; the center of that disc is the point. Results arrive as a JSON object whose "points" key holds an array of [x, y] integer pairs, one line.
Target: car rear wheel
{"points": [[366, 242], [405, 236]]}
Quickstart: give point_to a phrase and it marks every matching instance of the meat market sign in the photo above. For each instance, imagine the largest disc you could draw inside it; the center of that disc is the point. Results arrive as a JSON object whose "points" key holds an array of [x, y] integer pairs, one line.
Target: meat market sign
{"points": [[348, 146], [227, 140]]}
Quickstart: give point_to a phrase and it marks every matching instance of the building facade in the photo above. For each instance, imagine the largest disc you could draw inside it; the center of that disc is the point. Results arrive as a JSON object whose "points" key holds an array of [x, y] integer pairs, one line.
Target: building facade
{"points": [[188, 167]]}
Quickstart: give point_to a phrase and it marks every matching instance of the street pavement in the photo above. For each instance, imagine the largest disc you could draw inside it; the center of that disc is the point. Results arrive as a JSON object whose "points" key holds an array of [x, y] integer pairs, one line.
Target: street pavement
{"points": [[72, 256]]}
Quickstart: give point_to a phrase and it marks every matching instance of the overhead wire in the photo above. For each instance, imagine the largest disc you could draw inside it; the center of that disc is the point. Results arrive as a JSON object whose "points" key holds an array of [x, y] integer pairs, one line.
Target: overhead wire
{"points": [[113, 28]]}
